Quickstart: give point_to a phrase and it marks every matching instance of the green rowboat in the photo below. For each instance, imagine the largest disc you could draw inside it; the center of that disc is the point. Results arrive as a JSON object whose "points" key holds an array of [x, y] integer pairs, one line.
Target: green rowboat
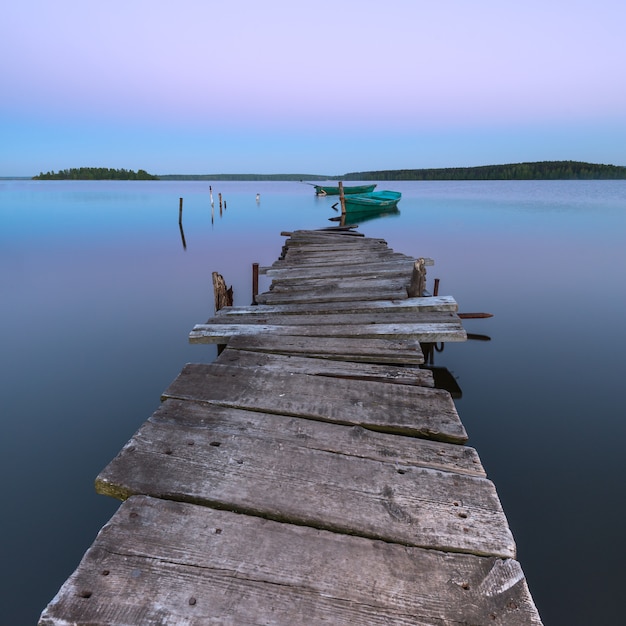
{"points": [[372, 201], [321, 190]]}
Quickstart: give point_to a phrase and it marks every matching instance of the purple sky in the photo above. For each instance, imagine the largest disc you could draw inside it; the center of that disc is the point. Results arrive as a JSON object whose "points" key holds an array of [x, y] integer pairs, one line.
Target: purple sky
{"points": [[278, 86]]}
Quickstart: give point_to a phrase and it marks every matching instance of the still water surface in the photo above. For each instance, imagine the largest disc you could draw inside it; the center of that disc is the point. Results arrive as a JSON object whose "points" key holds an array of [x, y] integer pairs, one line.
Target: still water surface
{"points": [[98, 294]]}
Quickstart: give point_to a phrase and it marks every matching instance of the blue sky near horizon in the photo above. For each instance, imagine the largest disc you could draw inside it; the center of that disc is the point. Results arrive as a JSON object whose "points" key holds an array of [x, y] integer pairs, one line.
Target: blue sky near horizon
{"points": [[342, 85]]}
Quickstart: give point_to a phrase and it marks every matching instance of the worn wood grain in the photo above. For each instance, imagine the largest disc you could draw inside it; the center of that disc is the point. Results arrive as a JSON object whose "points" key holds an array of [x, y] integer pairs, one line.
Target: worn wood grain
{"points": [[325, 367], [332, 293], [412, 305], [380, 316], [357, 349], [430, 333], [410, 410], [301, 483], [159, 562], [214, 422]]}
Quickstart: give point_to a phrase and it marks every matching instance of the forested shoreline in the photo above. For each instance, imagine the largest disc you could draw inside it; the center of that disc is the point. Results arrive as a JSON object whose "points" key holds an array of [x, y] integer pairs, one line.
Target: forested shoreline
{"points": [[95, 173], [539, 170]]}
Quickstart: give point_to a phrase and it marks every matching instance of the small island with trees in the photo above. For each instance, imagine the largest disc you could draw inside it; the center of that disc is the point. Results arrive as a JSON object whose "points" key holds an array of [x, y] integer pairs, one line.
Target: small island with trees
{"points": [[96, 173]]}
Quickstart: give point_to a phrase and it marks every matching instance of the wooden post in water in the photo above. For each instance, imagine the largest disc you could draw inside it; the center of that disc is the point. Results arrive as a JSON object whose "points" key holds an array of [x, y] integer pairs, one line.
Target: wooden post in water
{"points": [[417, 287], [255, 282], [223, 295], [180, 211], [342, 198], [436, 287]]}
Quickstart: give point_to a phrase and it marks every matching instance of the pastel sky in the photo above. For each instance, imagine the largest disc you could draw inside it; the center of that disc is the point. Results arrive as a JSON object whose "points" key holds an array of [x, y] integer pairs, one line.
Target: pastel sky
{"points": [[329, 87]]}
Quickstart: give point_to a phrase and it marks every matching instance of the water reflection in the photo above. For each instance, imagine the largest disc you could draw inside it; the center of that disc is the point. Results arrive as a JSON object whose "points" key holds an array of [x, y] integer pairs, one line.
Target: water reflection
{"points": [[360, 217]]}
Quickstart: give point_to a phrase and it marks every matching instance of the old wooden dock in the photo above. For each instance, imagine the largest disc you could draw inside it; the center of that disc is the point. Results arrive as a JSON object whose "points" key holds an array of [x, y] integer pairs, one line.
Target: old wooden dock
{"points": [[312, 474]]}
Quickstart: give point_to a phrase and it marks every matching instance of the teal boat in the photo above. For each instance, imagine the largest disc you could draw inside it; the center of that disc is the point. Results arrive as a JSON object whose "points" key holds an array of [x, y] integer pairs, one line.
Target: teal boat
{"points": [[322, 190], [372, 201]]}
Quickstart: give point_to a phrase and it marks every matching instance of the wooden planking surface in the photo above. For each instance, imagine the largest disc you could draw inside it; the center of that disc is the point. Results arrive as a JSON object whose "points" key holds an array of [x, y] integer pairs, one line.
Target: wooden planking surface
{"points": [[415, 411], [283, 428], [319, 367], [300, 482], [407, 352], [159, 562]]}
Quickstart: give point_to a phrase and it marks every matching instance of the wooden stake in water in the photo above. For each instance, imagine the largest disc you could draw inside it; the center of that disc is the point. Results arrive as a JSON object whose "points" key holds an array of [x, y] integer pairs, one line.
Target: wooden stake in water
{"points": [[342, 199], [255, 282], [180, 211]]}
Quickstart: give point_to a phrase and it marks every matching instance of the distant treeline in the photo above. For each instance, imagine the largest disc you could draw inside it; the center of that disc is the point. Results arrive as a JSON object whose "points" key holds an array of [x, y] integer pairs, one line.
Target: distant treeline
{"points": [[95, 173], [541, 170], [296, 177]]}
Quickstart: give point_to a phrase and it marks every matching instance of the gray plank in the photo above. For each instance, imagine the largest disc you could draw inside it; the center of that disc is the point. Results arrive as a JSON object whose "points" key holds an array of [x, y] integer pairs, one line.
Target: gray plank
{"points": [[332, 295], [289, 480], [325, 367], [410, 410], [414, 305], [381, 316], [220, 333], [161, 562], [213, 422], [341, 348]]}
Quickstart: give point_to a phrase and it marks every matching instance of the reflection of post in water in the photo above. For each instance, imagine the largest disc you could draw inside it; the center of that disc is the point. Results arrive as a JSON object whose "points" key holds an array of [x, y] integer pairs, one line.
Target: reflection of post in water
{"points": [[182, 235], [442, 376], [180, 222]]}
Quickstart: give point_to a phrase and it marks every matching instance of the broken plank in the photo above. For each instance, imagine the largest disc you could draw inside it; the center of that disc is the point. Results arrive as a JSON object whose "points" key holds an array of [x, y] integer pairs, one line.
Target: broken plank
{"points": [[350, 441], [160, 562], [403, 409], [319, 367]]}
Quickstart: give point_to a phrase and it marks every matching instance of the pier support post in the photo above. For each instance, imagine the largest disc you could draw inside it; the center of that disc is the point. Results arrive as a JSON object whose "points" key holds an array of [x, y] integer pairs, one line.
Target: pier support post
{"points": [[342, 198], [255, 282]]}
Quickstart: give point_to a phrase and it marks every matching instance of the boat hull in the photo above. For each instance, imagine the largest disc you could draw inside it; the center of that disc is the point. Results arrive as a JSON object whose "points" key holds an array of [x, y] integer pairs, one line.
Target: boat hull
{"points": [[323, 190], [374, 201]]}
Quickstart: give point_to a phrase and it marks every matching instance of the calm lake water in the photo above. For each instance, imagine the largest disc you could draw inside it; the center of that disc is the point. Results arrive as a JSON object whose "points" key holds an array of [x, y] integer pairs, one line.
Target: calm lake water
{"points": [[98, 294]]}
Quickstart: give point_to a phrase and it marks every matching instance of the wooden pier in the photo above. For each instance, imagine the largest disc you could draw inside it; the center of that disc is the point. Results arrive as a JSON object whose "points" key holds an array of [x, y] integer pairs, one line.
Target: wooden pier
{"points": [[312, 474]]}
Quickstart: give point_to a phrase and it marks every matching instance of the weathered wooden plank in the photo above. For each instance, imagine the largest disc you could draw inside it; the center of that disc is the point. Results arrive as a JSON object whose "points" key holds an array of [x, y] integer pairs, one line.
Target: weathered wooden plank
{"points": [[332, 294], [325, 367], [405, 409], [220, 333], [160, 562], [340, 348], [279, 478], [381, 316], [321, 260], [369, 266], [217, 423], [415, 305], [379, 268], [352, 283]]}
